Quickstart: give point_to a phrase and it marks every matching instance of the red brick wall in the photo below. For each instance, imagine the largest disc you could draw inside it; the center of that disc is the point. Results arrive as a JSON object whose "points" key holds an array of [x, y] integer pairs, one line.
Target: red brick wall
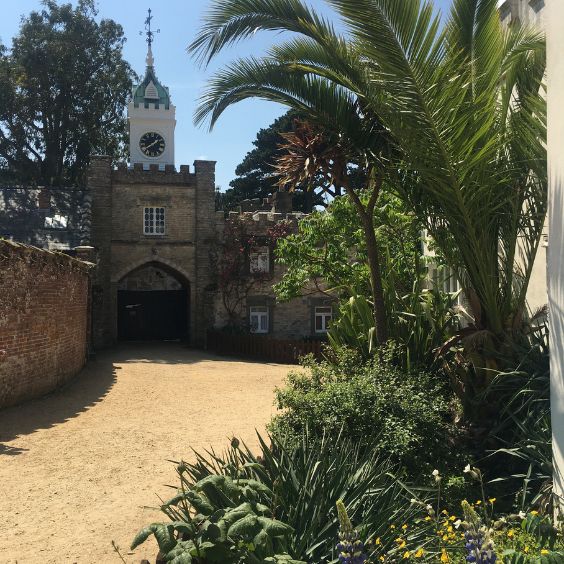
{"points": [[43, 321]]}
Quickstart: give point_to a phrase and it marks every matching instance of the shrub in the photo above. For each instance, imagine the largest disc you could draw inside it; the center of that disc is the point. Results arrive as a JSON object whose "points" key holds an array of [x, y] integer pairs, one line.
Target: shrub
{"points": [[298, 484], [403, 416], [523, 427]]}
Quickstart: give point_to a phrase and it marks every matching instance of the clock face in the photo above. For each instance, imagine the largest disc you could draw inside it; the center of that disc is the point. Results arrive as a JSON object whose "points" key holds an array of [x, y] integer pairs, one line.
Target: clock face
{"points": [[152, 144]]}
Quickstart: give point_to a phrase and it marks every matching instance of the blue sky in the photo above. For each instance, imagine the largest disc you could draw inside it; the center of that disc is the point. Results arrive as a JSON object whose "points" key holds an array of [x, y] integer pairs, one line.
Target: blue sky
{"points": [[178, 21]]}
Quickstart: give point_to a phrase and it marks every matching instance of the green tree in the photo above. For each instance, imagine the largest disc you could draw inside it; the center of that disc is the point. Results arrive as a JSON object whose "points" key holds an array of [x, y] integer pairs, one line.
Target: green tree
{"points": [[256, 177], [329, 251], [461, 105], [64, 86]]}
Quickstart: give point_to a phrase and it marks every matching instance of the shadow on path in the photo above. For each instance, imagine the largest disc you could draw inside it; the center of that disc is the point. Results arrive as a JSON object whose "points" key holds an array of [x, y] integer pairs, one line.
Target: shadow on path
{"points": [[77, 396], [91, 386], [173, 352]]}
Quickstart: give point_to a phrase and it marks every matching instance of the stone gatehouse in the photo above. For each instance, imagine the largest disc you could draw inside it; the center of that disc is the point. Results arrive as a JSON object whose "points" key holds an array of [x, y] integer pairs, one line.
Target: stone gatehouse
{"points": [[155, 237]]}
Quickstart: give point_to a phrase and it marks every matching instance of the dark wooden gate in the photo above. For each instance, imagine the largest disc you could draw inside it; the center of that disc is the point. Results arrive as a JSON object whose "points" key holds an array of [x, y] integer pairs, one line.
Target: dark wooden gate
{"points": [[153, 315]]}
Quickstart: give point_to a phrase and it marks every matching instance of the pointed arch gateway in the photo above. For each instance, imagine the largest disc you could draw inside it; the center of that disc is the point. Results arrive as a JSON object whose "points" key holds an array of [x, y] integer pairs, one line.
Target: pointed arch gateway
{"points": [[153, 304]]}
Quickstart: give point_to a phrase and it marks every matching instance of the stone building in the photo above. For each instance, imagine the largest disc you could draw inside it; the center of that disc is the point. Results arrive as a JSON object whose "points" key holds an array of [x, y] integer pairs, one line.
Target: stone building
{"points": [[155, 237]]}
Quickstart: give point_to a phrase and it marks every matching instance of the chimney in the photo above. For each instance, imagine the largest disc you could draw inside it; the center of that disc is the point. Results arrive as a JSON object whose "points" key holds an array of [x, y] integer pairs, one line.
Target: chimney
{"points": [[282, 202], [44, 199]]}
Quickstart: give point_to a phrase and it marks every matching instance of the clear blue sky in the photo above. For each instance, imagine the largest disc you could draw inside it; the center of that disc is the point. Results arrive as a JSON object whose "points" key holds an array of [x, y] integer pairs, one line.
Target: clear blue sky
{"points": [[178, 21]]}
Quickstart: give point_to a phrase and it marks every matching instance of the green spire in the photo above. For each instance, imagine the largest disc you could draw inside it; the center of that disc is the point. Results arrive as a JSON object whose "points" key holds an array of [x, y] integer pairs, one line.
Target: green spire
{"points": [[150, 90]]}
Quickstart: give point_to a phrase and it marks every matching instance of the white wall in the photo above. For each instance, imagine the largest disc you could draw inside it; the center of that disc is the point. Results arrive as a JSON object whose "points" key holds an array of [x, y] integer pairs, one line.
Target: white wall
{"points": [[555, 43], [142, 120]]}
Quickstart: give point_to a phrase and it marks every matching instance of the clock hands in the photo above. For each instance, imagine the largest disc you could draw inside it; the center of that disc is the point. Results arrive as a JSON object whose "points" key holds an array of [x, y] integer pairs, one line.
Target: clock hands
{"points": [[153, 143], [159, 142]]}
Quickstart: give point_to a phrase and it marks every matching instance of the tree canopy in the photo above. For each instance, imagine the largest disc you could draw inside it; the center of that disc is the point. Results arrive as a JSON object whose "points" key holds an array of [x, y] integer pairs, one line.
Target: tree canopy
{"points": [[64, 86], [256, 175]]}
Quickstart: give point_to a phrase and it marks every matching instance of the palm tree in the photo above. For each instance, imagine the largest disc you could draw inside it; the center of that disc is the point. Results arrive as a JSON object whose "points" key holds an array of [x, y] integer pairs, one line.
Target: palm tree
{"points": [[451, 116]]}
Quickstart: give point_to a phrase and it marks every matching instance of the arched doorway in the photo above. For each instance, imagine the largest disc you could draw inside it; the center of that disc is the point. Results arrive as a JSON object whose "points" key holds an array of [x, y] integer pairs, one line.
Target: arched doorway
{"points": [[153, 304]]}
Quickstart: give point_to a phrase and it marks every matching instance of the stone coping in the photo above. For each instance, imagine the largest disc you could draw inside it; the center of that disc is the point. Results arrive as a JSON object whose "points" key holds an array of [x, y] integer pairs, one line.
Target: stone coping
{"points": [[57, 259]]}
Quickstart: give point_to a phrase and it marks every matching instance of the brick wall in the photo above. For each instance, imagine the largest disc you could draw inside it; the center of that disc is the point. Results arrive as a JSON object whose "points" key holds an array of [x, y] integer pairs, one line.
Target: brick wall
{"points": [[43, 321]]}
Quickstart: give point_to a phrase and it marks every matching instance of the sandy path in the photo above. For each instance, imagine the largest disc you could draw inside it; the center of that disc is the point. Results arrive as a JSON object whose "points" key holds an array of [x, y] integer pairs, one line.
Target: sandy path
{"points": [[77, 467]]}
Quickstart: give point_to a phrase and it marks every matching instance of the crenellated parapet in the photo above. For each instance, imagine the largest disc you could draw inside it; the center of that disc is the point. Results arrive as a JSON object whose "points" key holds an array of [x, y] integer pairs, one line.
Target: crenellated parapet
{"points": [[153, 174]]}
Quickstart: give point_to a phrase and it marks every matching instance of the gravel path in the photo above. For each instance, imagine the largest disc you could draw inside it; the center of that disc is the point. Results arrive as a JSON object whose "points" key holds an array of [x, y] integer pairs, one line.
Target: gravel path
{"points": [[77, 467]]}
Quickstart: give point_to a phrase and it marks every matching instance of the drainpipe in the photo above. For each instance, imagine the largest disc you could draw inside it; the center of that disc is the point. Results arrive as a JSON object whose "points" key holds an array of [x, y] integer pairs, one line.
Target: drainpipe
{"points": [[555, 144]]}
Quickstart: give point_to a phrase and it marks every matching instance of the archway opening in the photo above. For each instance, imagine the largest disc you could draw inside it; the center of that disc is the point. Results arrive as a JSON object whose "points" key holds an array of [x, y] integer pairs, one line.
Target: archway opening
{"points": [[153, 304]]}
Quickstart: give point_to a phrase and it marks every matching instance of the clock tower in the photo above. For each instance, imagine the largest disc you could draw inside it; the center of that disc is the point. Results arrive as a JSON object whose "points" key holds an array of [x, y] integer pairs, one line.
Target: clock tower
{"points": [[151, 116]]}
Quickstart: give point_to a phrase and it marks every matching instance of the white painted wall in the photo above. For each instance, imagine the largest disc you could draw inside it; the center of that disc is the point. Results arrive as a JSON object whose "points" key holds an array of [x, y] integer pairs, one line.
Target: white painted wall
{"points": [[555, 43], [143, 120]]}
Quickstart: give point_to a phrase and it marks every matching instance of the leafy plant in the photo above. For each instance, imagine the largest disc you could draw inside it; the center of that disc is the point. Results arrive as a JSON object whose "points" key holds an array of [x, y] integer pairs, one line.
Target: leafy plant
{"points": [[478, 534], [222, 520], [306, 477], [420, 322], [523, 426]]}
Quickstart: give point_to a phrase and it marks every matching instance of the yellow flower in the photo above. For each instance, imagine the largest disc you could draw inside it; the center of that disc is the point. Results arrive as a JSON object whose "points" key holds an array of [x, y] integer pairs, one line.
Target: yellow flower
{"points": [[407, 554], [478, 502], [392, 526], [492, 500], [378, 541], [404, 527], [511, 533], [382, 558], [526, 549], [445, 537], [427, 518], [444, 512], [544, 551], [420, 553], [452, 518], [534, 512], [444, 556]]}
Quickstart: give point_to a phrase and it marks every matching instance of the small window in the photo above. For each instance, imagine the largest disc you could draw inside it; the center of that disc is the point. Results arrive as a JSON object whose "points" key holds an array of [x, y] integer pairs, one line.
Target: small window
{"points": [[56, 222], [259, 319], [323, 317], [154, 221], [260, 261]]}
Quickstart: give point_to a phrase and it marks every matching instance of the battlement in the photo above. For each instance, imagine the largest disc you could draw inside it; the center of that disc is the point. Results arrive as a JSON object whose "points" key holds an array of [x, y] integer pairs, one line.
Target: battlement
{"points": [[137, 174], [268, 218]]}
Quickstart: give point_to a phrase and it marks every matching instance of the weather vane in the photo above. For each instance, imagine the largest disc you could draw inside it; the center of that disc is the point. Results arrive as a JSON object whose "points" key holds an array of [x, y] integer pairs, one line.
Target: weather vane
{"points": [[150, 34]]}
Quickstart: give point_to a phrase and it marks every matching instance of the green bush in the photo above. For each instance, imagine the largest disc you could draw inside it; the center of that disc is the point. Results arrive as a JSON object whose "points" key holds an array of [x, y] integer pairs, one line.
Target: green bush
{"points": [[403, 416]]}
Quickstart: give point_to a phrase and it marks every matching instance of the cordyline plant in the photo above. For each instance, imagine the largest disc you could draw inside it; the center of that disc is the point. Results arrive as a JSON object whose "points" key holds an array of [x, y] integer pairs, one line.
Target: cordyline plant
{"points": [[449, 115], [311, 153]]}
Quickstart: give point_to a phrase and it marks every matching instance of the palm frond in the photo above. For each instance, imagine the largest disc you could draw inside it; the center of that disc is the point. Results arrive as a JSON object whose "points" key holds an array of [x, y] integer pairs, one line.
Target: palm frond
{"points": [[228, 22]]}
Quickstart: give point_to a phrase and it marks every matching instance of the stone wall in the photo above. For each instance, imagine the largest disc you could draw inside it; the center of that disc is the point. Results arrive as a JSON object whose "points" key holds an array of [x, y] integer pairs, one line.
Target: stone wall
{"points": [[44, 321], [288, 320], [119, 196]]}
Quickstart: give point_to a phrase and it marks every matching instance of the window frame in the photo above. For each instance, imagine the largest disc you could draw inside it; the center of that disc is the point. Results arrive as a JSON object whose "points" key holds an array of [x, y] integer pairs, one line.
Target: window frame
{"points": [[257, 253], [326, 317], [154, 219], [262, 315]]}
